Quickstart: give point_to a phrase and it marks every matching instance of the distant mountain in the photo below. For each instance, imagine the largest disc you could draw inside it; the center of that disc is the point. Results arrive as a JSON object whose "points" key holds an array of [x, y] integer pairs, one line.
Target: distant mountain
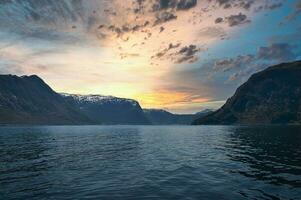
{"points": [[29, 100], [108, 109], [272, 96], [162, 117]]}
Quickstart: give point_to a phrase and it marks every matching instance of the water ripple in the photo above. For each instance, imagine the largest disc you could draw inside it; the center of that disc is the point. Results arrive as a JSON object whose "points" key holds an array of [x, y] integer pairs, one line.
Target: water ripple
{"points": [[150, 162]]}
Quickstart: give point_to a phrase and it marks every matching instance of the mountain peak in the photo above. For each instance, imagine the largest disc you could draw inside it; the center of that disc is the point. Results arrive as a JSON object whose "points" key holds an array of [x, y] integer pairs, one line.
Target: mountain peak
{"points": [[29, 100]]}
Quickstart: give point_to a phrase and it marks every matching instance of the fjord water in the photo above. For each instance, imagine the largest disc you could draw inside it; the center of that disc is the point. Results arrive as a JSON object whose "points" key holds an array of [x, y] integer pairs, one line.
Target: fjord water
{"points": [[150, 162]]}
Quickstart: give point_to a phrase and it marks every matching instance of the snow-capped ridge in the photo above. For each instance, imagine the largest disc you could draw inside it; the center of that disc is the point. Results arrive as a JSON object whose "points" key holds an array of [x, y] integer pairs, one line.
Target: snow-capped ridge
{"points": [[92, 98]]}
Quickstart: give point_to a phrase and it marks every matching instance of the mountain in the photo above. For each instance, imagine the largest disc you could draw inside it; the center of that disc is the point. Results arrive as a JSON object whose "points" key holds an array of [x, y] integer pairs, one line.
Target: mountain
{"points": [[162, 117], [108, 109], [29, 100], [272, 96]]}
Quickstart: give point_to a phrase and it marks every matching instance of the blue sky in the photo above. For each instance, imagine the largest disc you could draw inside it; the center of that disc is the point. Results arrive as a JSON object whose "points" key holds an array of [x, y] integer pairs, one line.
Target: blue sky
{"points": [[180, 55]]}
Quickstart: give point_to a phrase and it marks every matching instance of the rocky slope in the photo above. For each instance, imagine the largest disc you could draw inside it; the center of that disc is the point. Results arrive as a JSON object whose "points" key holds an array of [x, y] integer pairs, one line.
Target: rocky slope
{"points": [[29, 100], [108, 109], [162, 117], [272, 96]]}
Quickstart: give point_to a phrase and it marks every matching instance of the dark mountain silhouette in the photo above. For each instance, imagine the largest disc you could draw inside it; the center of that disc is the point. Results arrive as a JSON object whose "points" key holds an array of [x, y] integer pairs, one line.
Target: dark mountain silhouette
{"points": [[29, 100], [108, 109], [162, 117], [272, 96]]}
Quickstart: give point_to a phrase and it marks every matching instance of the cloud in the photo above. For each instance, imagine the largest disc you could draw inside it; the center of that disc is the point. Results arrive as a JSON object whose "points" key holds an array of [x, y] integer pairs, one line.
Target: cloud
{"points": [[296, 12], [125, 55], [188, 54], [125, 28], [212, 32], [124, 38], [243, 74], [239, 68], [162, 29], [49, 20], [234, 20], [186, 4], [226, 4], [164, 17], [233, 63], [163, 53], [174, 4], [219, 20], [281, 52], [249, 5], [269, 6]]}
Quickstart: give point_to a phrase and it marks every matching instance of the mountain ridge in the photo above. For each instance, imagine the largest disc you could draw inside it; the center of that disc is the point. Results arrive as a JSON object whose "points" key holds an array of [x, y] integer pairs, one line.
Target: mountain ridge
{"points": [[108, 109], [272, 96], [163, 117], [29, 100]]}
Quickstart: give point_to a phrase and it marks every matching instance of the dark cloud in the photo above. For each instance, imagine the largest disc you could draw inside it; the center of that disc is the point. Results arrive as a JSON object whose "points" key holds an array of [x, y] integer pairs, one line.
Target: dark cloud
{"points": [[126, 28], [278, 52], [174, 4], [281, 52], [224, 3], [165, 11], [186, 4], [219, 20], [230, 72], [162, 29], [269, 6], [188, 54], [163, 53], [274, 6], [248, 5], [233, 63], [240, 68], [164, 17], [185, 54], [245, 4], [234, 20]]}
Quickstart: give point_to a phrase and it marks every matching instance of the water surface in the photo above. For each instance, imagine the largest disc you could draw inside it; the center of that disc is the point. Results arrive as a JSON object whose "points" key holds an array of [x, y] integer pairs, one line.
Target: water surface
{"points": [[150, 162]]}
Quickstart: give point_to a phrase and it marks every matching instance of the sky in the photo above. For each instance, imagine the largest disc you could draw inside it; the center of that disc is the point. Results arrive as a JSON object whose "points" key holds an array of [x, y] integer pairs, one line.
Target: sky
{"points": [[180, 55]]}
